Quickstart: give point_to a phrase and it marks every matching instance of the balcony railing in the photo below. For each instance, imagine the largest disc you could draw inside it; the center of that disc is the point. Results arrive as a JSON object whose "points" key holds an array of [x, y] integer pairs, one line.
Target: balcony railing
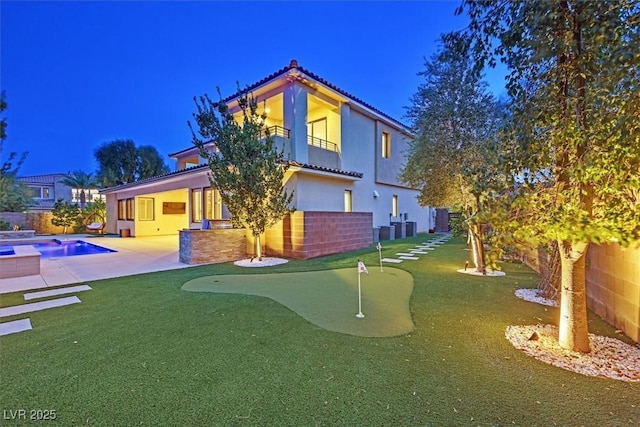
{"points": [[322, 143], [277, 131]]}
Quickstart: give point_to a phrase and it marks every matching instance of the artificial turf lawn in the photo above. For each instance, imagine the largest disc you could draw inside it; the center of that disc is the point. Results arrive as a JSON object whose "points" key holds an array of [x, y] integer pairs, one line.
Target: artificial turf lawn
{"points": [[139, 350], [329, 298]]}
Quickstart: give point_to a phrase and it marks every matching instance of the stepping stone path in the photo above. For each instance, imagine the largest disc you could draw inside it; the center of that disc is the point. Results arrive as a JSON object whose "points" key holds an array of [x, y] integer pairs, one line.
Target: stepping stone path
{"points": [[420, 249], [37, 306], [20, 325], [15, 326]]}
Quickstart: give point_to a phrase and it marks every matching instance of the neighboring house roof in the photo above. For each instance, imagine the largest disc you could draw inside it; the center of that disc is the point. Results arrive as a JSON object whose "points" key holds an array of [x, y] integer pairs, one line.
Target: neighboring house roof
{"points": [[50, 178], [199, 168], [42, 204], [293, 65]]}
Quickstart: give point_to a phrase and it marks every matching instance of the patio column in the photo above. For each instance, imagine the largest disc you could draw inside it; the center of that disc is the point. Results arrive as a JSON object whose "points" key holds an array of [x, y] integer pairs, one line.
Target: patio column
{"points": [[295, 119]]}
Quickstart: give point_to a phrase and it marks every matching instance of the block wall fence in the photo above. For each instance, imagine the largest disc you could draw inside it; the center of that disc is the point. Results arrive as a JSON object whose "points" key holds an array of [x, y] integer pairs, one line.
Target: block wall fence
{"points": [[613, 283], [38, 221], [305, 234]]}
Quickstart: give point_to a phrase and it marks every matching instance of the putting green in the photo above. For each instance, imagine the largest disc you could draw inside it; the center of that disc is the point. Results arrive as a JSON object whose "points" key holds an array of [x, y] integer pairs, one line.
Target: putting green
{"points": [[329, 298]]}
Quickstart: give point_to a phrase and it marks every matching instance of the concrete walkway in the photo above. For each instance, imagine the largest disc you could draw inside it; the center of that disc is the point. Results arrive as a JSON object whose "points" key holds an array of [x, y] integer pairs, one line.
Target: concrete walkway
{"points": [[134, 255]]}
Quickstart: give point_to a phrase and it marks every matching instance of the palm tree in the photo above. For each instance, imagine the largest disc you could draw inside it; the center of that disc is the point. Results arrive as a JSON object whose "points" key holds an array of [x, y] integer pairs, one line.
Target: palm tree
{"points": [[82, 181]]}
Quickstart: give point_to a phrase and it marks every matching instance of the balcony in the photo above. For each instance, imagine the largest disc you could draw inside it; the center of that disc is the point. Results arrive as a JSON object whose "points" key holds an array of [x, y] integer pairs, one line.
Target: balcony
{"points": [[281, 139], [322, 143], [323, 153], [277, 131]]}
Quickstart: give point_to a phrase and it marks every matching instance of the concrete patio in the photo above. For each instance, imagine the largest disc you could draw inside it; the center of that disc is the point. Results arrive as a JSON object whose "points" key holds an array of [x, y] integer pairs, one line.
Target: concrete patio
{"points": [[134, 256]]}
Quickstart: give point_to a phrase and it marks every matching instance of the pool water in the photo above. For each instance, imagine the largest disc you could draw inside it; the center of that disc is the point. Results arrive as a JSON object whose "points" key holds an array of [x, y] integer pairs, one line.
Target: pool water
{"points": [[58, 248]]}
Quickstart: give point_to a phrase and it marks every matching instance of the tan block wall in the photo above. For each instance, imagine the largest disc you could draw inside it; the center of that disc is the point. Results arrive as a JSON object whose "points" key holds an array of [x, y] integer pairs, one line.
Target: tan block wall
{"points": [[38, 221], [212, 246], [613, 283], [613, 286], [312, 234]]}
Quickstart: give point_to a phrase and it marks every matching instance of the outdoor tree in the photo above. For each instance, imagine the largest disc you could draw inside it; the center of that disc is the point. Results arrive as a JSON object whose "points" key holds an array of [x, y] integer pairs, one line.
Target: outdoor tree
{"points": [[245, 166], [120, 162], [14, 195], [117, 162], [149, 162], [574, 142], [65, 214], [453, 156], [82, 181]]}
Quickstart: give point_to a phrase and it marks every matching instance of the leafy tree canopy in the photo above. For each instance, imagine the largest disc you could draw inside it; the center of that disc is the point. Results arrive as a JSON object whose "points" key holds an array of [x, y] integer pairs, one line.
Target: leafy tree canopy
{"points": [[573, 146], [150, 162], [453, 158], [245, 166], [120, 162]]}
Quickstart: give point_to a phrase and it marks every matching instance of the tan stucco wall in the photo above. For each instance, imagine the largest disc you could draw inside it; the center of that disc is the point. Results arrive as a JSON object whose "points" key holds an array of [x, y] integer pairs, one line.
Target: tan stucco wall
{"points": [[613, 286]]}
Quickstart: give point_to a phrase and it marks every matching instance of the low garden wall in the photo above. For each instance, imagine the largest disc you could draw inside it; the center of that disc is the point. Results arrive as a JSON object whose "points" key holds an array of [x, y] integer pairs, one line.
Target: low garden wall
{"points": [[20, 234], [212, 246], [38, 221]]}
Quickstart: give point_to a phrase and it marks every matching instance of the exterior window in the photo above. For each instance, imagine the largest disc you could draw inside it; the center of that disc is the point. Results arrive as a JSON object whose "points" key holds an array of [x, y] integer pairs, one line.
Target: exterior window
{"points": [[394, 206], [122, 210], [130, 210], [348, 201], [145, 209], [386, 145], [41, 192], [196, 205], [91, 195], [212, 203], [317, 129]]}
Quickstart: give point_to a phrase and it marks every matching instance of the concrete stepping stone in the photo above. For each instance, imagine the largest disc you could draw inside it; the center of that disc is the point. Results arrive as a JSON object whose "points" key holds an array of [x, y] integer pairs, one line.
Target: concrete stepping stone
{"points": [[393, 260], [15, 326], [37, 306], [417, 251], [409, 257], [403, 254], [54, 292]]}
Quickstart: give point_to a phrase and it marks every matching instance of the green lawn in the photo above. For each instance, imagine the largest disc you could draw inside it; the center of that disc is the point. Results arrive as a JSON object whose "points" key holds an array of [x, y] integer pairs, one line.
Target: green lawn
{"points": [[141, 351]]}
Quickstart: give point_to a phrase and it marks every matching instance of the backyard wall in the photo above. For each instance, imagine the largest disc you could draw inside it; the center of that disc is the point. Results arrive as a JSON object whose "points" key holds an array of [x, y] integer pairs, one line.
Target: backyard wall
{"points": [[38, 221], [613, 286], [310, 234], [613, 283]]}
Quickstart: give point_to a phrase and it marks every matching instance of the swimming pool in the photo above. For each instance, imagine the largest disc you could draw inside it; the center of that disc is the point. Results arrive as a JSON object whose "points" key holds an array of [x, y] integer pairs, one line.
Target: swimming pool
{"points": [[60, 248]]}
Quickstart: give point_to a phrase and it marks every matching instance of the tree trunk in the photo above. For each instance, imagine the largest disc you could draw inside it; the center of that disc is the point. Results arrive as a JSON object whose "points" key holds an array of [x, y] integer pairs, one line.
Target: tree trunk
{"points": [[258, 248], [477, 248], [573, 330], [83, 199]]}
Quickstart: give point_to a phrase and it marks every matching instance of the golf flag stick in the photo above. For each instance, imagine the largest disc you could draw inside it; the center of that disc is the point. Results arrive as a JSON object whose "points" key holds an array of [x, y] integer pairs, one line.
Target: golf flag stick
{"points": [[361, 269], [379, 247]]}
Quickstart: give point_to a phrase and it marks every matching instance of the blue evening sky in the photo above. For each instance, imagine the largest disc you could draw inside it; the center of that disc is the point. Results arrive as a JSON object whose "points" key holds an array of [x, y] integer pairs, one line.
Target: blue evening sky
{"points": [[77, 74]]}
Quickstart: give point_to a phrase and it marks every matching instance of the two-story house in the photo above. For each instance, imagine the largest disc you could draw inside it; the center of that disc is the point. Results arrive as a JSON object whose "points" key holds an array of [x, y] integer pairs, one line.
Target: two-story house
{"points": [[46, 189], [345, 157]]}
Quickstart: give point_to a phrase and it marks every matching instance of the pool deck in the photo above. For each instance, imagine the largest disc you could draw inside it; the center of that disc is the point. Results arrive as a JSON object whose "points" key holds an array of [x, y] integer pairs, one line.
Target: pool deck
{"points": [[134, 255]]}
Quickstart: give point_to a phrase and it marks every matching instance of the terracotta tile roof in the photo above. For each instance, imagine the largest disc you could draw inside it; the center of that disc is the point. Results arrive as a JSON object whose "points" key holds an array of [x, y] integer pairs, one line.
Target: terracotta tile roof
{"points": [[198, 168], [330, 170], [294, 65], [185, 171], [50, 178]]}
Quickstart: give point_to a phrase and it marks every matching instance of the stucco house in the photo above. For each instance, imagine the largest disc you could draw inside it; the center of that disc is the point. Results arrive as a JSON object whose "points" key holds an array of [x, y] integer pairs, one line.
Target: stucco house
{"points": [[345, 156], [46, 189]]}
